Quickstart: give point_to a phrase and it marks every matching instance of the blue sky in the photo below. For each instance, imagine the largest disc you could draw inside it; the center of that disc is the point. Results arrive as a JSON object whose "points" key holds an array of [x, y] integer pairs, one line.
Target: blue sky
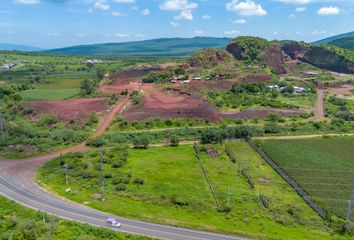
{"points": [[58, 23]]}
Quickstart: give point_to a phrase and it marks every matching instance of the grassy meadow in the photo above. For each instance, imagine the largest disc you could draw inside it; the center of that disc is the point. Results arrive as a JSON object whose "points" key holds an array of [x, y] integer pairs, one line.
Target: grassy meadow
{"points": [[322, 166], [166, 185], [17, 222]]}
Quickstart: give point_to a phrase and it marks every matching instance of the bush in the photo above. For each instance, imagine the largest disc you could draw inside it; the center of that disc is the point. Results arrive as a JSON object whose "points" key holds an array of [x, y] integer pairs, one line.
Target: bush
{"points": [[95, 142], [174, 140], [139, 181], [121, 187], [141, 141], [271, 128]]}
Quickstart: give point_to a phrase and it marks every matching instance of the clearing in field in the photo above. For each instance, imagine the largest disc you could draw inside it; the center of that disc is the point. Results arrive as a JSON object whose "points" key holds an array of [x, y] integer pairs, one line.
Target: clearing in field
{"points": [[76, 109], [323, 167], [166, 185], [158, 103]]}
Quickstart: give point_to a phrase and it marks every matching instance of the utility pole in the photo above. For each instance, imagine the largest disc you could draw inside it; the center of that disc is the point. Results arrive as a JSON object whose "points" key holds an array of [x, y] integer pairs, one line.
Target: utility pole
{"points": [[350, 204], [102, 183], [66, 175]]}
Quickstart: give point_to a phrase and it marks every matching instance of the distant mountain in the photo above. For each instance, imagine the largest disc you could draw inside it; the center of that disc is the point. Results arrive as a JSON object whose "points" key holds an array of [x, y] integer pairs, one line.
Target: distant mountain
{"points": [[16, 47], [155, 47], [343, 41], [330, 39]]}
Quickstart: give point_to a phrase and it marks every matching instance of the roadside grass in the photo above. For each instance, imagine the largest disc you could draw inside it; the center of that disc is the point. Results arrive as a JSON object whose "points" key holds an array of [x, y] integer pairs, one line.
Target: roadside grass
{"points": [[18, 222], [166, 185], [49, 94], [322, 166]]}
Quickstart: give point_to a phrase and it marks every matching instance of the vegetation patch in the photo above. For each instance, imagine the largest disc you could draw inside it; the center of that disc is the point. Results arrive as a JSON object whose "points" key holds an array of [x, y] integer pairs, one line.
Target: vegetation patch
{"points": [[321, 166]]}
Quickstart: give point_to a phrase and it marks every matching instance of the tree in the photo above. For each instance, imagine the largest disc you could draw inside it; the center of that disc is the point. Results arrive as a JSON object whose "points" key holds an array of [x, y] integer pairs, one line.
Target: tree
{"points": [[273, 117], [87, 88], [174, 140], [141, 141], [100, 74]]}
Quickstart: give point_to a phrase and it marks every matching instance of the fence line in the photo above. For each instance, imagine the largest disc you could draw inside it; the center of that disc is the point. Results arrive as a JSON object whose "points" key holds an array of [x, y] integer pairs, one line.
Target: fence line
{"points": [[229, 153], [205, 174], [290, 181]]}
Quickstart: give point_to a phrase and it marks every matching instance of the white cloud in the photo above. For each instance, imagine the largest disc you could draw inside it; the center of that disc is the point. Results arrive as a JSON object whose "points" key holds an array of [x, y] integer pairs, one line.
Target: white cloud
{"points": [[292, 16], [186, 14], [118, 14], [102, 5], [318, 32], [140, 35], [175, 24], [54, 34], [198, 32], [240, 21], [246, 8], [231, 32], [180, 5], [300, 9], [121, 35], [328, 11], [27, 2], [177, 5], [124, 1], [206, 17], [81, 35], [146, 12], [275, 33], [135, 8], [297, 1]]}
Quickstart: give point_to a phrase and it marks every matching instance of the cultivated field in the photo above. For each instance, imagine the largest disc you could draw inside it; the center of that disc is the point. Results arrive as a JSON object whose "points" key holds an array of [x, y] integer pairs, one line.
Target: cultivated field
{"points": [[322, 166], [166, 185]]}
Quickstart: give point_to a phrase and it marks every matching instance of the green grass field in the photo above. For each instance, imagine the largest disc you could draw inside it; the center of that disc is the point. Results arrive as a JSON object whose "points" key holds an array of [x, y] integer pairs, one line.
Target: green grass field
{"points": [[322, 166], [175, 192], [17, 222]]}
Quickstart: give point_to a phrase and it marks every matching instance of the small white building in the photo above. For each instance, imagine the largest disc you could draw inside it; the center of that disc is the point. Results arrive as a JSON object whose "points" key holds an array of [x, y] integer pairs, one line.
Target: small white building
{"points": [[298, 89]]}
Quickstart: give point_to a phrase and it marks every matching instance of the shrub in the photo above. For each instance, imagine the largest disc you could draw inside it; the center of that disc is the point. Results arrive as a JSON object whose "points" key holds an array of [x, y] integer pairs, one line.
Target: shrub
{"points": [[95, 142], [121, 187], [174, 140], [141, 141], [139, 181]]}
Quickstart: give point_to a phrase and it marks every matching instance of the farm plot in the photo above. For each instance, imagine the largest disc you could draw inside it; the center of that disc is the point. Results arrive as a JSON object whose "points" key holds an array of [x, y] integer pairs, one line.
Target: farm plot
{"points": [[166, 185], [323, 167], [157, 103]]}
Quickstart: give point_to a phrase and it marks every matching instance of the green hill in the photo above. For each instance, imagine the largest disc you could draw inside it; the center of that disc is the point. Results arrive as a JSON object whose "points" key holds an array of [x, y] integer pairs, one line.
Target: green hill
{"points": [[347, 43], [331, 39], [16, 47], [155, 47]]}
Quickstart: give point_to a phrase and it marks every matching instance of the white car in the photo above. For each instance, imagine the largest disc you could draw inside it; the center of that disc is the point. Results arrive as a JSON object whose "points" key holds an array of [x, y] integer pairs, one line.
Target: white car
{"points": [[113, 222]]}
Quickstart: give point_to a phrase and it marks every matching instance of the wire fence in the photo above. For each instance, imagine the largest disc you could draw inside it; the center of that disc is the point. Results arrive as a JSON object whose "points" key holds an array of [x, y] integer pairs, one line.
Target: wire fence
{"points": [[290, 181]]}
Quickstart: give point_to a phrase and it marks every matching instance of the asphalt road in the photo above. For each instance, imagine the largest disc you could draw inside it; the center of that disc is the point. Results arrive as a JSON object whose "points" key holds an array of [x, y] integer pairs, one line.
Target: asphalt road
{"points": [[69, 210]]}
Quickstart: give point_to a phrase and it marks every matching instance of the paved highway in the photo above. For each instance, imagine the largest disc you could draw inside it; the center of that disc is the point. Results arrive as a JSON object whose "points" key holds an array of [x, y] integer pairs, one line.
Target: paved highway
{"points": [[63, 208]]}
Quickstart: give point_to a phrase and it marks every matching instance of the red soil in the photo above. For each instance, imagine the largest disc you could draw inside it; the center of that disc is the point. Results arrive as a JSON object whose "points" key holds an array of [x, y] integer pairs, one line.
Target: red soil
{"points": [[77, 109], [170, 104], [126, 80], [260, 113]]}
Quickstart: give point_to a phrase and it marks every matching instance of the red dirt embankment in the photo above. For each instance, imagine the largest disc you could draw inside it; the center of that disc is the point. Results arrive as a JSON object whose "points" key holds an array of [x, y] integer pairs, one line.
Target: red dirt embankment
{"points": [[76, 109], [126, 80], [170, 104]]}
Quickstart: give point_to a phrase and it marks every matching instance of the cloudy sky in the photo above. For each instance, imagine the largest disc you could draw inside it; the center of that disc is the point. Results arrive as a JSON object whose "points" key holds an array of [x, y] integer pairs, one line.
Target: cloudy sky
{"points": [[58, 23]]}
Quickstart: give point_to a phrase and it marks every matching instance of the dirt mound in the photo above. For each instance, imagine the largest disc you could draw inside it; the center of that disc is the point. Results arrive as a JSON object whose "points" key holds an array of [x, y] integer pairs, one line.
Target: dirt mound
{"points": [[127, 79], [273, 57], [255, 78], [170, 104], [76, 109], [260, 113]]}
